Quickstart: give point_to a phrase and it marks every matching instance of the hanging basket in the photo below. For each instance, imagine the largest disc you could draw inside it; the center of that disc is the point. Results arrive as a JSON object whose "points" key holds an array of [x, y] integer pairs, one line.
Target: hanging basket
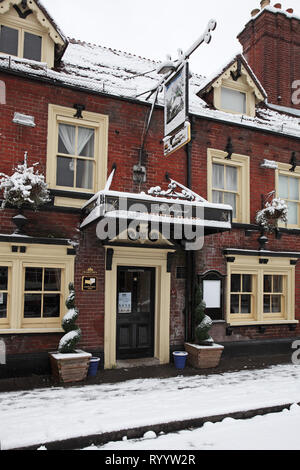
{"points": [[273, 213], [275, 216]]}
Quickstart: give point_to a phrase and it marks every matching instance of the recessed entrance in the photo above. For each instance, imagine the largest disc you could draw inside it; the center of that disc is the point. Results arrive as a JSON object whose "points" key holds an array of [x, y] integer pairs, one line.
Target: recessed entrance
{"points": [[135, 312]]}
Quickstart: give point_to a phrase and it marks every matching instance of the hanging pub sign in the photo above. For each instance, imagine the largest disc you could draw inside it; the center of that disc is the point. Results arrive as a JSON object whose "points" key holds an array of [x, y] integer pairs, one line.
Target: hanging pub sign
{"points": [[177, 127]]}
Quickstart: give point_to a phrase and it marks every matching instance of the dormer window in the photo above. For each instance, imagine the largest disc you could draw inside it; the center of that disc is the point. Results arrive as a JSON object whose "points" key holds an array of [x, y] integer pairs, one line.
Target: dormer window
{"points": [[32, 47], [20, 43], [233, 100], [9, 40], [235, 90], [27, 32]]}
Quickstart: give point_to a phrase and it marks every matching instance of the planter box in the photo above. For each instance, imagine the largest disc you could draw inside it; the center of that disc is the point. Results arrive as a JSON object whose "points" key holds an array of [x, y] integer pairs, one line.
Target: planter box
{"points": [[70, 367], [203, 357]]}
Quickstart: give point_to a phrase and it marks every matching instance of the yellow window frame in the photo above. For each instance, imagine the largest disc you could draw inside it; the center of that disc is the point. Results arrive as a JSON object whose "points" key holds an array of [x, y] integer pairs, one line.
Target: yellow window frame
{"points": [[284, 170], [35, 256], [4, 322], [276, 266], [242, 163], [98, 122]]}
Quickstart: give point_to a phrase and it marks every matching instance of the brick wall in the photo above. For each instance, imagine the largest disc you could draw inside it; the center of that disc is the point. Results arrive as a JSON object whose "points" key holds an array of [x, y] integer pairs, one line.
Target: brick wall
{"points": [[126, 123], [271, 45]]}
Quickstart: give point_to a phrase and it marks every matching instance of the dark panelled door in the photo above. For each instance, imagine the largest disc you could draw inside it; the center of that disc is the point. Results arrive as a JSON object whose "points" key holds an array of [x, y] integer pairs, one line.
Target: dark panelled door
{"points": [[135, 312]]}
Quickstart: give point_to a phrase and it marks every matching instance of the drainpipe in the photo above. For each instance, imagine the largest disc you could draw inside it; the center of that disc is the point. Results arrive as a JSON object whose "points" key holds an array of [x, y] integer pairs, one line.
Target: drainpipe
{"points": [[189, 259]]}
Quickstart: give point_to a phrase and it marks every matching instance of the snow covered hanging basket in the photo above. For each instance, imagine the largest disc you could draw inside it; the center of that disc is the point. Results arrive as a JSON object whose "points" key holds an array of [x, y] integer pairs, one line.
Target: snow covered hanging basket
{"points": [[274, 211], [25, 187]]}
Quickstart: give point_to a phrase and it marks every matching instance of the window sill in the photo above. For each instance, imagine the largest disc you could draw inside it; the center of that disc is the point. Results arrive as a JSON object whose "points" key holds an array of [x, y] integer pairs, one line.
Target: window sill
{"points": [[23, 331], [267, 322]]}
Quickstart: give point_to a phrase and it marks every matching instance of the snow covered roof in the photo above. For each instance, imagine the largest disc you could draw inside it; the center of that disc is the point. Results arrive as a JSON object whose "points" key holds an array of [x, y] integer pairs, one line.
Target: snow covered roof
{"points": [[108, 71]]}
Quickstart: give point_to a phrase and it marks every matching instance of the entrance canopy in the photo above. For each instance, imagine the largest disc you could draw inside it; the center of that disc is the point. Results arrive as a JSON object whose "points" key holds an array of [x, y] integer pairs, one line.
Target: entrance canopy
{"points": [[177, 214]]}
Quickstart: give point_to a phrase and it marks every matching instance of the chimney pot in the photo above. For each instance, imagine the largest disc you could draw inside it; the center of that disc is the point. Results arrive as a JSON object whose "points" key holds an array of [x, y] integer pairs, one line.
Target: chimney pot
{"points": [[255, 12], [290, 10], [278, 5], [264, 3]]}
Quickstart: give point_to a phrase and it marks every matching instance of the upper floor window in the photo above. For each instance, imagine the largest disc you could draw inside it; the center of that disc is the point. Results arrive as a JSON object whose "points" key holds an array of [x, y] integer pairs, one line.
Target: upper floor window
{"points": [[288, 189], [228, 183], [235, 90], [233, 100], [77, 150], [225, 186], [75, 166], [21, 43]]}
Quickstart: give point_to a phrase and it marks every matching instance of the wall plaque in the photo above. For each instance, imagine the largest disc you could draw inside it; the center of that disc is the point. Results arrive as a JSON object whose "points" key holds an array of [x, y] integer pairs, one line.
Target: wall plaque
{"points": [[89, 283]]}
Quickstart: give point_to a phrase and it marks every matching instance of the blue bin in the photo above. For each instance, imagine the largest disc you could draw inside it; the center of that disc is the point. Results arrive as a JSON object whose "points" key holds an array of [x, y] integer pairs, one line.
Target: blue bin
{"points": [[93, 367], [180, 359]]}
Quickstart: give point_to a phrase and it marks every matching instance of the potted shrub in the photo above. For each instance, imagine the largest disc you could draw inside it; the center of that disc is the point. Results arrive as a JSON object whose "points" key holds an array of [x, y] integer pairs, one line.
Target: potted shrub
{"points": [[69, 364], [203, 353]]}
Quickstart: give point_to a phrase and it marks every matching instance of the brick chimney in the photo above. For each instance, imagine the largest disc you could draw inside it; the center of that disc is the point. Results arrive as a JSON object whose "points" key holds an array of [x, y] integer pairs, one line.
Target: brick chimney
{"points": [[271, 45]]}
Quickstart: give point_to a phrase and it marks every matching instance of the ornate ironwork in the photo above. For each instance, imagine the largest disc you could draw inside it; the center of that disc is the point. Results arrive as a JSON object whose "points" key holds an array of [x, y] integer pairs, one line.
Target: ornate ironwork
{"points": [[185, 193]]}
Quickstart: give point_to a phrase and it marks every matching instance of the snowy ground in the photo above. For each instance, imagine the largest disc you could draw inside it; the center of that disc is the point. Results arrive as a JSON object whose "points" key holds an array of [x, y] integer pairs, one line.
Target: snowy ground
{"points": [[44, 415], [276, 431]]}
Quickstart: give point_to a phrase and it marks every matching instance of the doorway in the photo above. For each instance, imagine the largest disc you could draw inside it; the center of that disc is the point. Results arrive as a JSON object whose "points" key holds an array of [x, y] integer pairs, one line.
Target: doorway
{"points": [[135, 312]]}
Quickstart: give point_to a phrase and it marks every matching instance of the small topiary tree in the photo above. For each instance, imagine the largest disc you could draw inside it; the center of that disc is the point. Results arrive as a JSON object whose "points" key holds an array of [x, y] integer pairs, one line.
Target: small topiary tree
{"points": [[69, 341], [203, 322]]}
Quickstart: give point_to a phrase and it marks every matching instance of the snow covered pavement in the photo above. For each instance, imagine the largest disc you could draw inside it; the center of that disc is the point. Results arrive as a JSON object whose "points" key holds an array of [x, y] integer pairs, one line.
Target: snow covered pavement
{"points": [[44, 415], [276, 431]]}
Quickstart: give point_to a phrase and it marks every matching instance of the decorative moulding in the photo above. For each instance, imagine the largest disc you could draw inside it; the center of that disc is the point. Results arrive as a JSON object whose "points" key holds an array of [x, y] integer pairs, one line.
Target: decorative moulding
{"points": [[227, 75]]}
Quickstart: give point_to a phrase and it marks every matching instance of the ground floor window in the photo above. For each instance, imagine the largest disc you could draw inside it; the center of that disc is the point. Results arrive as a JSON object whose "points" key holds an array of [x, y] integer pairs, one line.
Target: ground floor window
{"points": [[4, 271], [260, 292], [33, 288]]}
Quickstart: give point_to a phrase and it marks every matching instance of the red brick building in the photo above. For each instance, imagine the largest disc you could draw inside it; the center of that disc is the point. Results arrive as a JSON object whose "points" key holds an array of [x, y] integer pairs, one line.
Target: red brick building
{"points": [[80, 111]]}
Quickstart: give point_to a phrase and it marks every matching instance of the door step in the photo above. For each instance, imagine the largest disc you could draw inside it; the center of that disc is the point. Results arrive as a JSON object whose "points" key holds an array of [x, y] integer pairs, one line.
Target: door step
{"points": [[128, 363]]}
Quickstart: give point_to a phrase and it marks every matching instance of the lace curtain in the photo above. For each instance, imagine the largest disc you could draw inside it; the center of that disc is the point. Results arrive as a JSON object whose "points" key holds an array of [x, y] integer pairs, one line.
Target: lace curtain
{"points": [[85, 148], [225, 178]]}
